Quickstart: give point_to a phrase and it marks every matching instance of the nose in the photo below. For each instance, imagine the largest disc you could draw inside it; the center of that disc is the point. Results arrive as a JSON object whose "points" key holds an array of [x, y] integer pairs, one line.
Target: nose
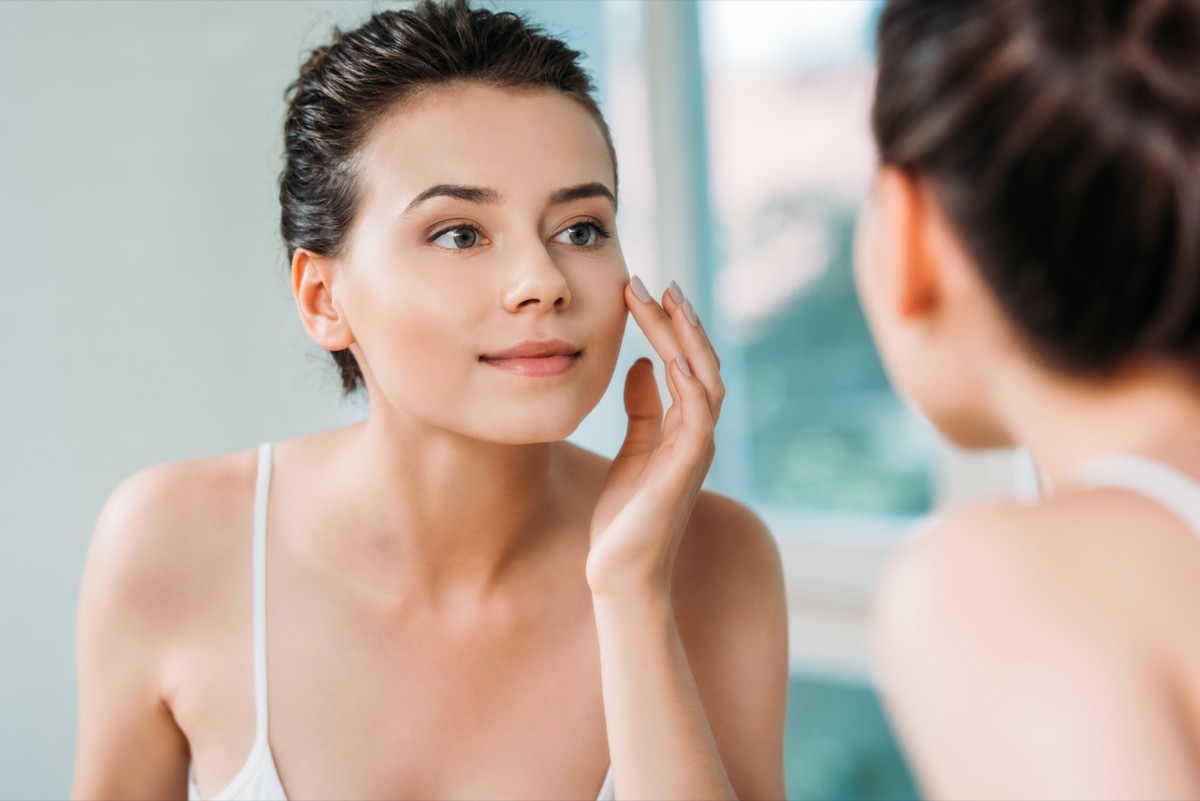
{"points": [[535, 282]]}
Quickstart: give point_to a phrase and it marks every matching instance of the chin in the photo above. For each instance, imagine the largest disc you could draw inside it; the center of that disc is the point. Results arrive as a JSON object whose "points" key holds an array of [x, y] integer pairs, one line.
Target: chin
{"points": [[530, 423], [971, 433], [533, 435]]}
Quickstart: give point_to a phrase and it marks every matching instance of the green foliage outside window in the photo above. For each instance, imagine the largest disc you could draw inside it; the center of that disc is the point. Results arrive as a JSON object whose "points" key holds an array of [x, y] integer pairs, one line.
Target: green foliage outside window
{"points": [[827, 431]]}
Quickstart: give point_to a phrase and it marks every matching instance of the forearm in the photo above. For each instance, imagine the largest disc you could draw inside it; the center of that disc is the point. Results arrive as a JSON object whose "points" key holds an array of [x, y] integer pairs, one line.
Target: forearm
{"points": [[659, 737]]}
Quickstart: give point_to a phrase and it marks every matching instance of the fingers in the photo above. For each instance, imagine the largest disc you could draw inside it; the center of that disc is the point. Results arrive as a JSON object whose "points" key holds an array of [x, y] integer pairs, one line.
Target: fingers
{"points": [[695, 433], [674, 297], [644, 408], [673, 330], [697, 349]]}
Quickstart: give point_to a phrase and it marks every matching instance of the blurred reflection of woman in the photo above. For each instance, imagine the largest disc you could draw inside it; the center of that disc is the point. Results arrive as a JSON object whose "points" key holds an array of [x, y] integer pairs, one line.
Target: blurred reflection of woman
{"points": [[1030, 265], [446, 600]]}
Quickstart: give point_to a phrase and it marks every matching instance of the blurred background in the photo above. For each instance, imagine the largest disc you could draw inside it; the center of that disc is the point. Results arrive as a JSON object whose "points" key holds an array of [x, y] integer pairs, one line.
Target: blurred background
{"points": [[148, 316]]}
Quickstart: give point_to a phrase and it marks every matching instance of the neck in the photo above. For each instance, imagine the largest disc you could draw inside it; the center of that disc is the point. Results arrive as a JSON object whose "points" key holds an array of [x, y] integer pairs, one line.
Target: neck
{"points": [[436, 512], [1148, 410]]}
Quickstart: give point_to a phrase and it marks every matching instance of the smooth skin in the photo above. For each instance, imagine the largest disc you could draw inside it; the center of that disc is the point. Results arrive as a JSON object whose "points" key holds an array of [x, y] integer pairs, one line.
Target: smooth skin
{"points": [[1044, 651], [459, 604]]}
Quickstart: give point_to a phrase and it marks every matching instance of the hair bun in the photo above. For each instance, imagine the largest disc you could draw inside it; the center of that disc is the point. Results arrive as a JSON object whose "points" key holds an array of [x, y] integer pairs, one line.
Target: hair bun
{"points": [[1161, 46], [1062, 140]]}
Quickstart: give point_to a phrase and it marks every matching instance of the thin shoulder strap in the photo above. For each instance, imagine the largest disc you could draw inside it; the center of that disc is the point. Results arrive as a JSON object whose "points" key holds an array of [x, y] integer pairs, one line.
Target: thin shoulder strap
{"points": [[1175, 491], [607, 793], [261, 490]]}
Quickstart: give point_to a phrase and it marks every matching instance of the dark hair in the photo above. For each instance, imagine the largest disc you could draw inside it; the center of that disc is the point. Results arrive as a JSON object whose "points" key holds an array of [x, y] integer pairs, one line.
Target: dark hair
{"points": [[347, 86], [1063, 141]]}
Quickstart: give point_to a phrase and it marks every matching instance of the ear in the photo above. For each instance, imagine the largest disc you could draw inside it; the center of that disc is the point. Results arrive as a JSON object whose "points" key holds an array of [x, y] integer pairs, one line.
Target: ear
{"points": [[313, 287], [909, 217]]}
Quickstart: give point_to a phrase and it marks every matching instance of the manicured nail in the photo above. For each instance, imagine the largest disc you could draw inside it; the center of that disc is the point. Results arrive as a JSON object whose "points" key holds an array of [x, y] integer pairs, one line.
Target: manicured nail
{"points": [[675, 292], [639, 289], [683, 365], [690, 312]]}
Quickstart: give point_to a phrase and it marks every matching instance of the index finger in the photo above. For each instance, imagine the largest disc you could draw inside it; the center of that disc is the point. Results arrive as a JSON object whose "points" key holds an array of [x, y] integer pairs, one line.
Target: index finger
{"points": [[674, 297], [674, 335]]}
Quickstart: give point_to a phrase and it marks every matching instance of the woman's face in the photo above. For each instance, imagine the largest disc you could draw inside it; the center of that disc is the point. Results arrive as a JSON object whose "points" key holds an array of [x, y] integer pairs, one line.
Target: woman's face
{"points": [[483, 279]]}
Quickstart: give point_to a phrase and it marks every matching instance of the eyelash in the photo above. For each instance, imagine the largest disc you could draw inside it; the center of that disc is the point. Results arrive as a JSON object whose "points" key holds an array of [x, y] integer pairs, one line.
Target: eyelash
{"points": [[455, 227], [601, 231]]}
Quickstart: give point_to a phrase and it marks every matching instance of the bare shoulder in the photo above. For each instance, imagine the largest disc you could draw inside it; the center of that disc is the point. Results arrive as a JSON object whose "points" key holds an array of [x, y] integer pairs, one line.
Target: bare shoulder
{"points": [[164, 531], [729, 596], [1103, 563], [731, 609], [1002, 620], [727, 555], [727, 570], [728, 562], [156, 572], [950, 557]]}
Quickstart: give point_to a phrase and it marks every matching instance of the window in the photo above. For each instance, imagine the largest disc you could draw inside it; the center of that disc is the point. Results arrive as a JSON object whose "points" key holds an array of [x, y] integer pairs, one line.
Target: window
{"points": [[788, 89]]}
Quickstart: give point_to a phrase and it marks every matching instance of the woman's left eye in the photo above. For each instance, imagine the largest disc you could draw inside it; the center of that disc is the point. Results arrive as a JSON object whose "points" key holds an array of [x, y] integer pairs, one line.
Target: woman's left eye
{"points": [[582, 235]]}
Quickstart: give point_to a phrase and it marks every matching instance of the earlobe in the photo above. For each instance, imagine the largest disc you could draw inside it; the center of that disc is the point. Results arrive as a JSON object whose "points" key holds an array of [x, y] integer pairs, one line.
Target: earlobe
{"points": [[312, 285], [907, 214]]}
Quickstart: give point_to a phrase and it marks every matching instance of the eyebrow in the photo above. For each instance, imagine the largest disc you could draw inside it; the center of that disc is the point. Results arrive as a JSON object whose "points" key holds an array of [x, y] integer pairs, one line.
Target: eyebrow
{"points": [[471, 194], [485, 195], [582, 192]]}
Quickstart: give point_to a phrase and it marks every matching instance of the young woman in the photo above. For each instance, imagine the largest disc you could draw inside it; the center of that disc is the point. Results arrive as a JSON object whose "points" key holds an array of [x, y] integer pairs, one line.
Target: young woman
{"points": [[1030, 265], [446, 600]]}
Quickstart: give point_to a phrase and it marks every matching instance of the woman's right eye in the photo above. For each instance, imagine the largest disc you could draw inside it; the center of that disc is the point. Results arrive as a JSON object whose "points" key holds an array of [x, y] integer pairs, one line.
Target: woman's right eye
{"points": [[459, 238]]}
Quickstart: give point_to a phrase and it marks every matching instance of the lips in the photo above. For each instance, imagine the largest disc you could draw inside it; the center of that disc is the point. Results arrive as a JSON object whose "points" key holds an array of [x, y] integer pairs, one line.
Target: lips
{"points": [[535, 359]]}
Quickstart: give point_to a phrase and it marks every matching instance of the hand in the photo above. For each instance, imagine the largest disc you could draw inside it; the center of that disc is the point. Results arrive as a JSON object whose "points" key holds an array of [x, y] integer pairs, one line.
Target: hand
{"points": [[648, 496]]}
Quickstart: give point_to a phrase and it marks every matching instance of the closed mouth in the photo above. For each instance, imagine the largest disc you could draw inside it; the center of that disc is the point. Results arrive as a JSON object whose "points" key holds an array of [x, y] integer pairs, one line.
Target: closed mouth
{"points": [[535, 359], [534, 350]]}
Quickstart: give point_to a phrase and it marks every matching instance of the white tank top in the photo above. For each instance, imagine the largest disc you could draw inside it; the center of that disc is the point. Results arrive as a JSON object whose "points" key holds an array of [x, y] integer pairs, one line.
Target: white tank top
{"points": [[258, 780], [1173, 490]]}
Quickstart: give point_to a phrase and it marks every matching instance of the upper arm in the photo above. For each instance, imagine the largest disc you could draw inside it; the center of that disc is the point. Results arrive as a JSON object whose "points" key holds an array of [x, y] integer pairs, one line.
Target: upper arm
{"points": [[128, 744], [732, 615], [1003, 684]]}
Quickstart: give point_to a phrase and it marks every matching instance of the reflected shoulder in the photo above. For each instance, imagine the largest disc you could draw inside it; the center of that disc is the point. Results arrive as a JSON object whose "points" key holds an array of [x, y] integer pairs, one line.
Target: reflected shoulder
{"points": [[1078, 563], [981, 565], [1003, 620], [1072, 576]]}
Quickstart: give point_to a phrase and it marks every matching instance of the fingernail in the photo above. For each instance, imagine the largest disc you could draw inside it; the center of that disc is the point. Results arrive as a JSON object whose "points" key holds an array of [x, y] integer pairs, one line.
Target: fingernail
{"points": [[690, 312], [676, 292], [639, 289], [683, 365]]}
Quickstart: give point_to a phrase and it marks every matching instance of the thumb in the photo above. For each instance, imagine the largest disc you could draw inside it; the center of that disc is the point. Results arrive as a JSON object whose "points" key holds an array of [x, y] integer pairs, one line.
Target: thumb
{"points": [[644, 407]]}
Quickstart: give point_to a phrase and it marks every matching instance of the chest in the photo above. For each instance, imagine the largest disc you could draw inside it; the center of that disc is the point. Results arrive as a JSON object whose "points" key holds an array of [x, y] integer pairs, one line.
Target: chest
{"points": [[514, 705], [370, 706]]}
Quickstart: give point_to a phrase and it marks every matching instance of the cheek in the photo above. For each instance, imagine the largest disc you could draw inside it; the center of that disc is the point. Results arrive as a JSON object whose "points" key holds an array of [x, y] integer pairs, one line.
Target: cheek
{"points": [[615, 314], [404, 342], [936, 377], [611, 316]]}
